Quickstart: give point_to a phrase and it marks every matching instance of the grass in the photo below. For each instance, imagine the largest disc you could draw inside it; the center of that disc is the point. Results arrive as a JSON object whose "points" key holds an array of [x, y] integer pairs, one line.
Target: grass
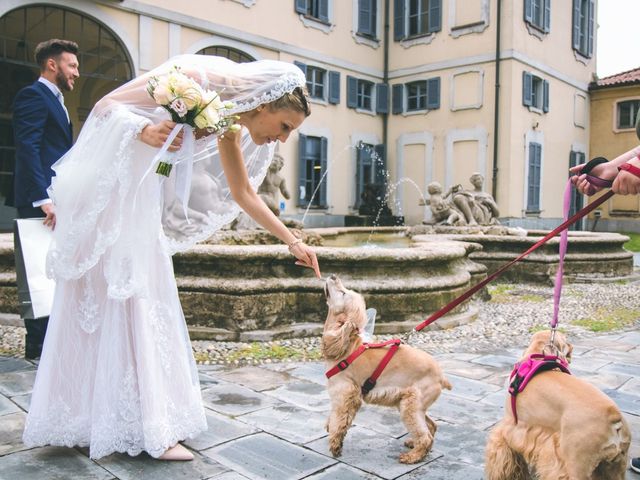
{"points": [[503, 293], [633, 245], [605, 320], [539, 328], [271, 351]]}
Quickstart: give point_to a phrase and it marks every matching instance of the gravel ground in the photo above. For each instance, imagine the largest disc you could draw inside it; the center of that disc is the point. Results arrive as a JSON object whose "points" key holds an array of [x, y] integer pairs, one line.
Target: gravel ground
{"points": [[505, 321]]}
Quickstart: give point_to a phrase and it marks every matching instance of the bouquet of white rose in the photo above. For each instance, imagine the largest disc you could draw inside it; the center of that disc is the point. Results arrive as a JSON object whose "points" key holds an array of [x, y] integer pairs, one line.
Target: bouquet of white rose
{"points": [[189, 105]]}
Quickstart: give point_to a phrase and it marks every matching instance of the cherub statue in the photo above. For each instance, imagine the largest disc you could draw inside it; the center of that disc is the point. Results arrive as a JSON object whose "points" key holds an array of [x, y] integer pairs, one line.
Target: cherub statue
{"points": [[273, 184], [443, 210]]}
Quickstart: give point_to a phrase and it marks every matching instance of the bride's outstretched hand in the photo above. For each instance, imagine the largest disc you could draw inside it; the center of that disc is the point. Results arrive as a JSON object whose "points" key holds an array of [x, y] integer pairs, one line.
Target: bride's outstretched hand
{"points": [[306, 257]]}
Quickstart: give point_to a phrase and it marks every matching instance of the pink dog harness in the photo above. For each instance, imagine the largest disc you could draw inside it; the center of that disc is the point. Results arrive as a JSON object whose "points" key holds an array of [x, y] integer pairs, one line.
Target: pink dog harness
{"points": [[370, 382], [525, 370]]}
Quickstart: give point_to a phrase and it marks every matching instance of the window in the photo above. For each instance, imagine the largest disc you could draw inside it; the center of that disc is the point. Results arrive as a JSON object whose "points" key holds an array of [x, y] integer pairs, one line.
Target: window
{"points": [[312, 190], [627, 113], [367, 17], [577, 199], [316, 82], [316, 9], [533, 179], [360, 95], [420, 95], [535, 92], [583, 24], [322, 84], [370, 177], [414, 18], [231, 53], [538, 13]]}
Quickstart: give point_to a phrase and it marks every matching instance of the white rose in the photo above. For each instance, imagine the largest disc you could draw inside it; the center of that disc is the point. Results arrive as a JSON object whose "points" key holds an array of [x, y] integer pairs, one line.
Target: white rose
{"points": [[207, 118], [193, 95], [162, 94]]}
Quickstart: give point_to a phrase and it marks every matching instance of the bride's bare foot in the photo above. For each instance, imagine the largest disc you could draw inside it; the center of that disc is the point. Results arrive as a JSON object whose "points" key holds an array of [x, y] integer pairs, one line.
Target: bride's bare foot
{"points": [[176, 453]]}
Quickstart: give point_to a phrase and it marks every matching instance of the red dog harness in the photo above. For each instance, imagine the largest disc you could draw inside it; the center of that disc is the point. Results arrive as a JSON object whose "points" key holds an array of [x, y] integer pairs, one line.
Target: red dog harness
{"points": [[525, 370], [371, 381]]}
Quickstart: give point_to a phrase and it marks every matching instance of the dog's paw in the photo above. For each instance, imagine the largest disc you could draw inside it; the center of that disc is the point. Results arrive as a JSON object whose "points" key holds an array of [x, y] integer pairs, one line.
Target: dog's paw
{"points": [[335, 447], [408, 443], [411, 457]]}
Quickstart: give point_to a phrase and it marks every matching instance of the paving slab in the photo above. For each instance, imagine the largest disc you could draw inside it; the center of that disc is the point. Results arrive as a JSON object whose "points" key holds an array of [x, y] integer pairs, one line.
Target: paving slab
{"points": [[461, 411], [445, 469], [625, 401], [307, 395], [144, 467], [462, 442], [502, 362], [628, 369], [234, 400], [11, 428], [343, 472], [311, 372], [255, 378], [221, 429], [17, 382], [263, 456], [601, 379], [51, 463], [372, 452], [289, 422], [23, 401], [454, 366], [470, 389], [11, 364], [7, 406], [385, 420]]}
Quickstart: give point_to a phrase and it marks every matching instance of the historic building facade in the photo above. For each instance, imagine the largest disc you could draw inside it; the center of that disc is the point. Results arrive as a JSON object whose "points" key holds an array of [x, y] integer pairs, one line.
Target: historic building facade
{"points": [[404, 92]]}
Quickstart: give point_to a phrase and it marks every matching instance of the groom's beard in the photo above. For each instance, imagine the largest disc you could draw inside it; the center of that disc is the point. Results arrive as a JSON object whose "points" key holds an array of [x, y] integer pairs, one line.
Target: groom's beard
{"points": [[62, 82]]}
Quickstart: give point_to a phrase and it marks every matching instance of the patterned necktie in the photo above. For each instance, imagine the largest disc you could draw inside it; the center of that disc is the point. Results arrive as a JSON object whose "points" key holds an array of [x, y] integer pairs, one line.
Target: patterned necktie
{"points": [[61, 100]]}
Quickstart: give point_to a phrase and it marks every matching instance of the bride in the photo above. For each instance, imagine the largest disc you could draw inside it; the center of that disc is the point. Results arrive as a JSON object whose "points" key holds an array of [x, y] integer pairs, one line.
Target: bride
{"points": [[117, 372]]}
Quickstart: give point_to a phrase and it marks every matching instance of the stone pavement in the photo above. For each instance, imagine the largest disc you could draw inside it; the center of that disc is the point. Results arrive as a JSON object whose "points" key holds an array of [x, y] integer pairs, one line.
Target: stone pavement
{"points": [[267, 422]]}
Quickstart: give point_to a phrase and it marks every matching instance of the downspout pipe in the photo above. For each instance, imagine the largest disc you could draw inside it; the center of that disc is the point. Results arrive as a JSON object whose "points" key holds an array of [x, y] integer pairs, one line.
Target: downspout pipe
{"points": [[496, 113], [385, 79]]}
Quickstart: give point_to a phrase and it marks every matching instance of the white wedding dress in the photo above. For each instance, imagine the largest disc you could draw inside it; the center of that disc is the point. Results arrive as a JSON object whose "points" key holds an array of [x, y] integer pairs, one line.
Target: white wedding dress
{"points": [[117, 372]]}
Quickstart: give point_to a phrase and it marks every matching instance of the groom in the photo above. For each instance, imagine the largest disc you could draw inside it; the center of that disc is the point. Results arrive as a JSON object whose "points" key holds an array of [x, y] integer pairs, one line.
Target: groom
{"points": [[43, 133]]}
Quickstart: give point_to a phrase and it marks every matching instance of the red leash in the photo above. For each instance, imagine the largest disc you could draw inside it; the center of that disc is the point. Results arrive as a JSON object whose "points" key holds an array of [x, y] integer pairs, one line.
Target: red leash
{"points": [[447, 308]]}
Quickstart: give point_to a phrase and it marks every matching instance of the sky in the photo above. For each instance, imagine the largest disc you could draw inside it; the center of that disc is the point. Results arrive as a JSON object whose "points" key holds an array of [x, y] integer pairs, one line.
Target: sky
{"points": [[618, 47]]}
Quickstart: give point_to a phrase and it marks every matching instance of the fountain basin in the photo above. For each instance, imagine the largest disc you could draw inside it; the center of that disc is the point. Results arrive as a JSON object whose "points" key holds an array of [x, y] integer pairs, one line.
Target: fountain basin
{"points": [[257, 293]]}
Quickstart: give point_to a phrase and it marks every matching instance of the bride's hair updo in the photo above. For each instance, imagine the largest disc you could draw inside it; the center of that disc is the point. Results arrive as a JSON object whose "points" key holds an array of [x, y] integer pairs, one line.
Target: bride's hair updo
{"points": [[297, 100]]}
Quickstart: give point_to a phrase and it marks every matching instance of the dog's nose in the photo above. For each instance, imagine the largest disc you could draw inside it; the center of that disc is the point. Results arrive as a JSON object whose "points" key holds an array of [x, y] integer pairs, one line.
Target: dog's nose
{"points": [[333, 276]]}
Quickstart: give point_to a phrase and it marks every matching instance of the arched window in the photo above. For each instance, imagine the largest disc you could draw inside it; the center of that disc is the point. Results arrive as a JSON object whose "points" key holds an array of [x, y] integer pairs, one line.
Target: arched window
{"points": [[234, 54], [104, 65]]}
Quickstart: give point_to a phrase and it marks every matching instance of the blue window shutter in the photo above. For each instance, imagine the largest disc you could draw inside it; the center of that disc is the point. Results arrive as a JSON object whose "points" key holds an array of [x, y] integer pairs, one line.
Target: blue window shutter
{"points": [[380, 164], [302, 6], [547, 15], [433, 93], [323, 10], [526, 89], [590, 26], [301, 66], [364, 17], [528, 11], [360, 154], [382, 98], [397, 98], [576, 25], [435, 16], [334, 87], [323, 166], [545, 96], [352, 92], [302, 171], [399, 20]]}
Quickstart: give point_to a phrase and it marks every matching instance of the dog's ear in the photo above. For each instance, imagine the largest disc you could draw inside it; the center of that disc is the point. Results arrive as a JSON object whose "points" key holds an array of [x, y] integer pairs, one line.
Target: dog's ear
{"points": [[567, 351], [337, 337]]}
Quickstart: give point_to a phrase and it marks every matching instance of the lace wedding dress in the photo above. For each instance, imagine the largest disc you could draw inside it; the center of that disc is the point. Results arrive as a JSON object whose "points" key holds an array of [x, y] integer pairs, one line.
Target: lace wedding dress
{"points": [[117, 372]]}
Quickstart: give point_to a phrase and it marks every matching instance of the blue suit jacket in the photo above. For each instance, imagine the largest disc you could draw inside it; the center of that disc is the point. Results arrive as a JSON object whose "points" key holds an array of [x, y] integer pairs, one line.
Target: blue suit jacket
{"points": [[42, 135]]}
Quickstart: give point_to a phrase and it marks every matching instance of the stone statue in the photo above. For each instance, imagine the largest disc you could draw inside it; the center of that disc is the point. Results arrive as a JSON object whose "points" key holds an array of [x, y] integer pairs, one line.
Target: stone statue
{"points": [[486, 209], [273, 185], [461, 207], [443, 209]]}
